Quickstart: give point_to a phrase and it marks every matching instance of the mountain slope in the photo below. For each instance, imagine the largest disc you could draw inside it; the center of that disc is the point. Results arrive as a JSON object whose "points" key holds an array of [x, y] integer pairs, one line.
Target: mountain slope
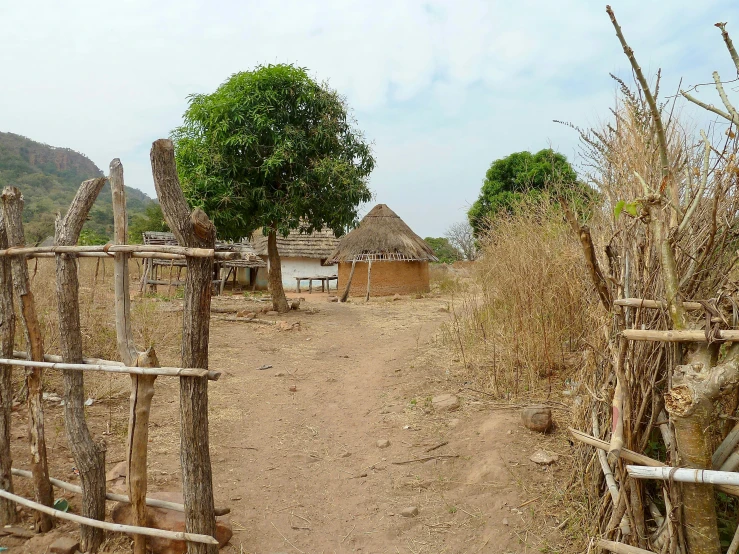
{"points": [[49, 177]]}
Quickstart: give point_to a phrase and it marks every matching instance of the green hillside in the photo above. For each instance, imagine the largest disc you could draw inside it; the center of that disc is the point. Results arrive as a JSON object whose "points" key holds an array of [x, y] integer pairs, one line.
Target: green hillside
{"points": [[49, 177]]}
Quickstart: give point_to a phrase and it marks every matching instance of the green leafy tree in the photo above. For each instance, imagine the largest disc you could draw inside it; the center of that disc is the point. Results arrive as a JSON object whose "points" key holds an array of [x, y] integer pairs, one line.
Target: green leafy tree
{"points": [[273, 150], [90, 237], [151, 220], [511, 179], [444, 250]]}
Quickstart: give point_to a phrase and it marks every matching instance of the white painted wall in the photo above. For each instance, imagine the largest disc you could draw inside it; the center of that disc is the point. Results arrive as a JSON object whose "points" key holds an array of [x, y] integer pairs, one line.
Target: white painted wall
{"points": [[299, 267]]}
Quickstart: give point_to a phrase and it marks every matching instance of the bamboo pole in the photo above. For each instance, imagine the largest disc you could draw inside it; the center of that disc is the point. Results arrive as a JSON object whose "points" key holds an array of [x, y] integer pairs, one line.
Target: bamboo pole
{"points": [[685, 475], [191, 229], [619, 548], [89, 457], [113, 497], [168, 371], [142, 386], [654, 304], [225, 256], [8, 514], [13, 213], [117, 527], [725, 448], [676, 336], [348, 287], [105, 248]]}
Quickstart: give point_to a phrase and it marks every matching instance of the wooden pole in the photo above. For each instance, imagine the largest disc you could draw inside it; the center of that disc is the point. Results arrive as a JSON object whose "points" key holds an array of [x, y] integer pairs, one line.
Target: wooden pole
{"points": [[7, 338], [135, 370], [676, 336], [345, 295], [369, 275], [654, 304], [113, 497], [89, 457], [142, 386], [194, 230], [116, 527], [13, 214], [685, 475], [619, 548], [132, 248]]}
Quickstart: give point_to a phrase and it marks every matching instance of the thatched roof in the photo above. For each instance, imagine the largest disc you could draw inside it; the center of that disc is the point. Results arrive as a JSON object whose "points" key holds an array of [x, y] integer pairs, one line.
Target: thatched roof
{"points": [[382, 235], [318, 244]]}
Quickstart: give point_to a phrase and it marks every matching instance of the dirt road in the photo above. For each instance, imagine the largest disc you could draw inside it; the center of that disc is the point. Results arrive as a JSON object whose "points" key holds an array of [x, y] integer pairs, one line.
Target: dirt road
{"points": [[295, 447]]}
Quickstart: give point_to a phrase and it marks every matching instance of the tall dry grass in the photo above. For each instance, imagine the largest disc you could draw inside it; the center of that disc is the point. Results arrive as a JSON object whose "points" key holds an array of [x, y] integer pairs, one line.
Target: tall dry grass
{"points": [[521, 323]]}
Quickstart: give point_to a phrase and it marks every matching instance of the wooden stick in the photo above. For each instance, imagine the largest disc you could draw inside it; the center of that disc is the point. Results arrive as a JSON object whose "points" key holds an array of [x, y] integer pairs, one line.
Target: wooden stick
{"points": [[8, 513], [345, 294], [725, 448], [426, 459], [169, 371], [632, 456], [113, 497], [154, 248], [88, 456], [654, 304], [117, 527], [369, 275], [619, 548], [246, 320], [685, 475], [676, 336], [192, 229], [13, 212], [225, 256], [18, 354]]}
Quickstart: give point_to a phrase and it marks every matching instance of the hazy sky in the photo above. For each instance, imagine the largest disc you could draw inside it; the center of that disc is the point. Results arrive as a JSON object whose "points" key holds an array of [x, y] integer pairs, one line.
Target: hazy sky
{"points": [[442, 88]]}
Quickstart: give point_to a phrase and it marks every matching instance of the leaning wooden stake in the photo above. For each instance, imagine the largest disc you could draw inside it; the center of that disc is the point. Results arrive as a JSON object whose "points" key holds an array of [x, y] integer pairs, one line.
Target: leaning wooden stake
{"points": [[88, 456], [13, 214], [142, 386], [369, 275], [192, 230], [348, 287], [7, 338]]}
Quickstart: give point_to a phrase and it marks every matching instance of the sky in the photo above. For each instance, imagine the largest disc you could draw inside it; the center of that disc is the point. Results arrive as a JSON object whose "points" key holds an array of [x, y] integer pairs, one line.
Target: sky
{"points": [[440, 88]]}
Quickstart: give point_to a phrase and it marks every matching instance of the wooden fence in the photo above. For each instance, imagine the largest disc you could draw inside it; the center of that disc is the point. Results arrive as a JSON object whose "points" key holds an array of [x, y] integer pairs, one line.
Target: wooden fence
{"points": [[196, 236]]}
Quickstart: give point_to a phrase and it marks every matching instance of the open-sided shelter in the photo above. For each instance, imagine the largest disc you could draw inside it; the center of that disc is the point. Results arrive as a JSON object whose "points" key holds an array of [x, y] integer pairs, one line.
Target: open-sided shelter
{"points": [[386, 252]]}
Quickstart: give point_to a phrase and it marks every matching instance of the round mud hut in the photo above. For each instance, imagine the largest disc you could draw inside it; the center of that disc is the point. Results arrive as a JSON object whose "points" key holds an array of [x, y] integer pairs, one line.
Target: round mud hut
{"points": [[382, 257]]}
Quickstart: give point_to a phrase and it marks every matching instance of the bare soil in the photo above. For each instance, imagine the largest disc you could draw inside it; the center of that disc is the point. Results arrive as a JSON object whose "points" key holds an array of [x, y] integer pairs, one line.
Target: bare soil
{"points": [[294, 447]]}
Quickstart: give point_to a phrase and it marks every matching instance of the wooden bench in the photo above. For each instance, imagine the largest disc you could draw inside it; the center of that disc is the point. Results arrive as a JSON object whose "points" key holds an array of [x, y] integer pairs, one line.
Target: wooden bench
{"points": [[325, 282]]}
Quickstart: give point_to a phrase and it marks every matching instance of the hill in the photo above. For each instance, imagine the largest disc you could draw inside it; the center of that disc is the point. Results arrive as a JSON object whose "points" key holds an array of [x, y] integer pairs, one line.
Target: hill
{"points": [[49, 177]]}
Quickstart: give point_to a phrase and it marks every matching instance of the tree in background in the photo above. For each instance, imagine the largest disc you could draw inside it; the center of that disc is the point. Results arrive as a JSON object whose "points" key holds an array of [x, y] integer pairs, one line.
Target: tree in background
{"points": [[273, 150], [462, 237], [511, 179], [151, 220], [444, 250]]}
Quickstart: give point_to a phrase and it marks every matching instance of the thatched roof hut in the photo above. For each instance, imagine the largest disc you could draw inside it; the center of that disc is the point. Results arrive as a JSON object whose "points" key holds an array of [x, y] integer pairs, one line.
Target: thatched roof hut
{"points": [[383, 256], [382, 235], [316, 245]]}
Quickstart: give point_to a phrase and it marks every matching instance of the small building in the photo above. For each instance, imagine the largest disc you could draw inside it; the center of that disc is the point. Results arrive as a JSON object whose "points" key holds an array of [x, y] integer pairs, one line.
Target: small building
{"points": [[385, 251], [301, 255]]}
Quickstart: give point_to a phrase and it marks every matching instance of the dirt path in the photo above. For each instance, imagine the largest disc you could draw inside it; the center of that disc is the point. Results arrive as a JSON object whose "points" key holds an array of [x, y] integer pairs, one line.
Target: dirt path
{"points": [[301, 469]]}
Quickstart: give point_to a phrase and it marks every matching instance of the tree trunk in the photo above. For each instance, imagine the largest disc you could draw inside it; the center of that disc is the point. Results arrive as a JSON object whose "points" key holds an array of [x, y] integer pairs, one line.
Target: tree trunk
{"points": [[88, 456], [279, 301], [13, 212], [369, 276], [7, 338], [194, 230], [142, 386], [348, 287]]}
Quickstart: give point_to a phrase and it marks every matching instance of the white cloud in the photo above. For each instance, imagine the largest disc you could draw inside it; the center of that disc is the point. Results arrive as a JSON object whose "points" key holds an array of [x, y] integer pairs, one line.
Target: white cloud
{"points": [[443, 87]]}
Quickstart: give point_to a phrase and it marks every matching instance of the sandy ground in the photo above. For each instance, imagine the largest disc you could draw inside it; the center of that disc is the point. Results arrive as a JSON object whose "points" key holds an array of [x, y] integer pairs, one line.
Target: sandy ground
{"points": [[301, 470]]}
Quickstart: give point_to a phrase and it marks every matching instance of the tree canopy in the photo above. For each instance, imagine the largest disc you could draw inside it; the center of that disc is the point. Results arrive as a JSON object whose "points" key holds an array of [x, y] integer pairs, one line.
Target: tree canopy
{"points": [[273, 149], [444, 250], [509, 180]]}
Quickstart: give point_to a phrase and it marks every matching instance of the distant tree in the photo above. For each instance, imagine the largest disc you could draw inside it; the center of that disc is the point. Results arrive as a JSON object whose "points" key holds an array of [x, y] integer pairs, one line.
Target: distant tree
{"points": [[151, 220], [509, 180], [444, 250], [89, 237], [273, 150], [462, 237]]}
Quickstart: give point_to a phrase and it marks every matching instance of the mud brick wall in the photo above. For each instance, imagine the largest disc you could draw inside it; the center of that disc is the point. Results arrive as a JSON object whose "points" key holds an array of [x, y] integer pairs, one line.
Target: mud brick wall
{"points": [[388, 278]]}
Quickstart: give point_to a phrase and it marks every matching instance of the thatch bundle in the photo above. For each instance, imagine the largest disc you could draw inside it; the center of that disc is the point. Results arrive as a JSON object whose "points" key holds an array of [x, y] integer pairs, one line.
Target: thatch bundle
{"points": [[318, 245], [382, 235]]}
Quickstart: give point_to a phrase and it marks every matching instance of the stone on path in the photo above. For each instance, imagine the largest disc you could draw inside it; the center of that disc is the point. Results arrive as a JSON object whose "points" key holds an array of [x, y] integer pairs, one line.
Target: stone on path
{"points": [[537, 418], [543, 458], [383, 443], [411, 511], [64, 545], [161, 518], [445, 403]]}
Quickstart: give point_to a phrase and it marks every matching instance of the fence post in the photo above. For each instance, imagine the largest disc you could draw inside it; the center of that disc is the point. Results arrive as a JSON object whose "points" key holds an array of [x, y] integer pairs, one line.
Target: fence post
{"points": [[88, 456], [13, 212], [193, 230], [8, 514]]}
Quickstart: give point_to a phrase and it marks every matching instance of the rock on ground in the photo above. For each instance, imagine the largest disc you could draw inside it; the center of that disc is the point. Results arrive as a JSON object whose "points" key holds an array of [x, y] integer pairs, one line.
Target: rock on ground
{"points": [[383, 443], [170, 520], [411, 511], [64, 545], [445, 403], [537, 418], [543, 458]]}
